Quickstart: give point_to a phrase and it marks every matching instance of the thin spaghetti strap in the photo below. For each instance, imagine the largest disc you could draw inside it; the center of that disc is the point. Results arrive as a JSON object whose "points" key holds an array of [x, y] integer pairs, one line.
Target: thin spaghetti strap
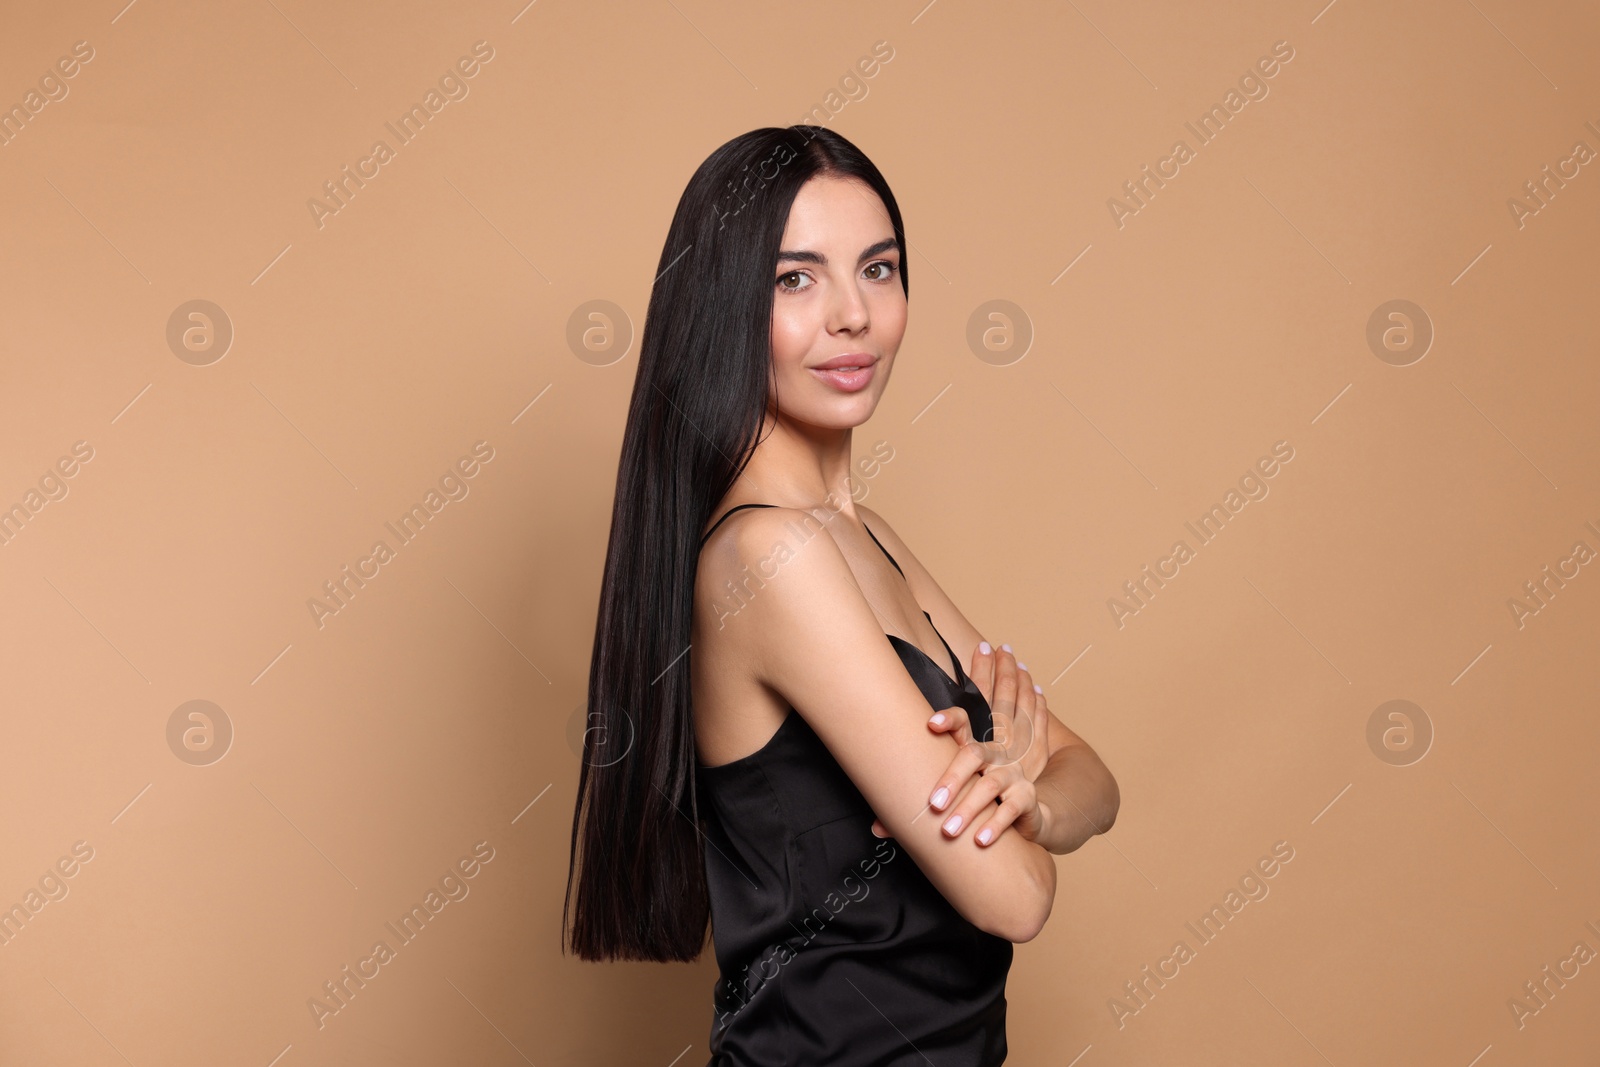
{"points": [[885, 550], [725, 514]]}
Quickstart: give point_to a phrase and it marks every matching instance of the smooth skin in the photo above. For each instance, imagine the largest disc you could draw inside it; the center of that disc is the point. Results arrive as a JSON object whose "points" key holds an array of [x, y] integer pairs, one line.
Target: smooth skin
{"points": [[1075, 796], [807, 630]]}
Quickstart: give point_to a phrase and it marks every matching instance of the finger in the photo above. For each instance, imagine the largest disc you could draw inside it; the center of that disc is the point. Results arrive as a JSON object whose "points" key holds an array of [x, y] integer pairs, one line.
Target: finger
{"points": [[1039, 744], [1004, 699], [982, 670], [1023, 726], [974, 802], [961, 770], [1015, 800], [953, 721], [1024, 679], [1026, 725], [1012, 711], [878, 829]]}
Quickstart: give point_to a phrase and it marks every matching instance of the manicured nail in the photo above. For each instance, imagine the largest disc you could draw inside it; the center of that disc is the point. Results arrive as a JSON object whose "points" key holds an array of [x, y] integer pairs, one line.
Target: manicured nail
{"points": [[983, 646], [952, 824], [938, 718], [940, 797], [1006, 647], [1021, 665], [1037, 689], [985, 834]]}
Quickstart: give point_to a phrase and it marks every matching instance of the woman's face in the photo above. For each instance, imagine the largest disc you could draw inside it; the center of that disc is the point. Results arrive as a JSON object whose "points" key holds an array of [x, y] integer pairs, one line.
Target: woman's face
{"points": [[836, 294]]}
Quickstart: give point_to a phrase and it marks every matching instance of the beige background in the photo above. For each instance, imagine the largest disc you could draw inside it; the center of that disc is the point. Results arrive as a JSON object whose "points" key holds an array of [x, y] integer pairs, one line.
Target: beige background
{"points": [[434, 711]]}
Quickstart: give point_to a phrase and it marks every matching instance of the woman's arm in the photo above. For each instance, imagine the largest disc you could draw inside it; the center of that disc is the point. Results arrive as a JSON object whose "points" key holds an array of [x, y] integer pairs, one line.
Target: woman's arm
{"points": [[1076, 786], [953, 625], [819, 645]]}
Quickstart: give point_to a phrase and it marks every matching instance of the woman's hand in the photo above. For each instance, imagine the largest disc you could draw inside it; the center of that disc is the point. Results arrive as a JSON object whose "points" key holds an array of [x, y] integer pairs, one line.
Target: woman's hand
{"points": [[1002, 768]]}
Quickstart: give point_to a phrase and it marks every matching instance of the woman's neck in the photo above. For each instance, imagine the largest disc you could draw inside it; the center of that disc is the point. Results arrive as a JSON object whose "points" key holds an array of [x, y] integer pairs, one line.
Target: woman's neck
{"points": [[801, 466]]}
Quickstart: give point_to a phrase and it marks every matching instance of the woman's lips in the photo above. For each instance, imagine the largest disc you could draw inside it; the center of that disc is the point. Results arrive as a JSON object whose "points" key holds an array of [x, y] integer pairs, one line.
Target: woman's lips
{"points": [[847, 381]]}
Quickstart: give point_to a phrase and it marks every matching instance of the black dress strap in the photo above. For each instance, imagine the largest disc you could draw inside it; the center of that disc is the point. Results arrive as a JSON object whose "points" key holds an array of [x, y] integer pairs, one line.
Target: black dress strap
{"points": [[864, 526], [725, 514], [885, 551]]}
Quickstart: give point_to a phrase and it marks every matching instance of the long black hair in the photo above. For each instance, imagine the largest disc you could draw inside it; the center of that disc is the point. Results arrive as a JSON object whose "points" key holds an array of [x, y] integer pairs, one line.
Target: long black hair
{"points": [[637, 860]]}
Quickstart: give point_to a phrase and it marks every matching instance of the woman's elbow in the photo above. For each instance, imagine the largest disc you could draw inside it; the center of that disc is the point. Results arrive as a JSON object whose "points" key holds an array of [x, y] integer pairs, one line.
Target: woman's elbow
{"points": [[1028, 910], [1113, 802]]}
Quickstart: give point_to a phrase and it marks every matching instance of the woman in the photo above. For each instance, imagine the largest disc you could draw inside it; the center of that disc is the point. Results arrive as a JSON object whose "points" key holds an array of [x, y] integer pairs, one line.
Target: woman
{"points": [[768, 653]]}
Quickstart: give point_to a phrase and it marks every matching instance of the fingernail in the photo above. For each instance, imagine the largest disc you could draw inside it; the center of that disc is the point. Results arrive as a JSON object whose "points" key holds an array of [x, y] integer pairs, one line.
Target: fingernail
{"points": [[1006, 647], [952, 824], [1037, 689], [940, 796], [983, 646], [938, 718], [1021, 665], [985, 834]]}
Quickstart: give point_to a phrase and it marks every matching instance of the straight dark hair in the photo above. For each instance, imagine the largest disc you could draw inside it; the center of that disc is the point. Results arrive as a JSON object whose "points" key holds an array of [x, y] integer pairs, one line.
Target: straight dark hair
{"points": [[636, 884]]}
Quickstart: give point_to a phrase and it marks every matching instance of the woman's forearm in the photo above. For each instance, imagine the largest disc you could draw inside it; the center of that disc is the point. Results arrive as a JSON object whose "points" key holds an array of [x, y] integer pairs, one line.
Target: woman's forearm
{"points": [[1080, 795]]}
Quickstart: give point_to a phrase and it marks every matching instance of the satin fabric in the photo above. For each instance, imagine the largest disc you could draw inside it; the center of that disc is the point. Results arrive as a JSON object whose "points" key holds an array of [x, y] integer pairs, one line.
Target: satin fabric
{"points": [[833, 947]]}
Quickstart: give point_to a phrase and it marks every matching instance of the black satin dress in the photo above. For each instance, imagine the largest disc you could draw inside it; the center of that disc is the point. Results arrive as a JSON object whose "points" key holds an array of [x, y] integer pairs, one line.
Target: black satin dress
{"points": [[834, 948]]}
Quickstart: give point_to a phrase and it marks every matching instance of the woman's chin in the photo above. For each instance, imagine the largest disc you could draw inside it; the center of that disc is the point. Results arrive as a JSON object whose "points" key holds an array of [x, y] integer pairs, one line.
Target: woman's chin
{"points": [[838, 415]]}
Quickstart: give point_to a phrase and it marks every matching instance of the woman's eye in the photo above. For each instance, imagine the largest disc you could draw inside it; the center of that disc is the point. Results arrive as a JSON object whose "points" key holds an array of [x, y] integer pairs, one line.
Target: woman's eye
{"points": [[794, 276], [888, 270]]}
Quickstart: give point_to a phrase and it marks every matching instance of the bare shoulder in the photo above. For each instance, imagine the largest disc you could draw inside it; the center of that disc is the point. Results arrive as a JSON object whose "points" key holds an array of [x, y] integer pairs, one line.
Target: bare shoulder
{"points": [[753, 549]]}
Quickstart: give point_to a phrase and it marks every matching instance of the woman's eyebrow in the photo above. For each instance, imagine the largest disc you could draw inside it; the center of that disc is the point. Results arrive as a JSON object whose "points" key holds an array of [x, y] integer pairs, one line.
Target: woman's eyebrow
{"points": [[807, 256]]}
